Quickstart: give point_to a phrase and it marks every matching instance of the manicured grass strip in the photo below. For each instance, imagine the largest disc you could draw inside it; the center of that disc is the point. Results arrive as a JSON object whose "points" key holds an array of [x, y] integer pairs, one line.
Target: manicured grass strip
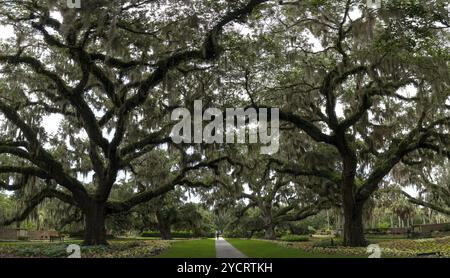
{"points": [[267, 249], [197, 248]]}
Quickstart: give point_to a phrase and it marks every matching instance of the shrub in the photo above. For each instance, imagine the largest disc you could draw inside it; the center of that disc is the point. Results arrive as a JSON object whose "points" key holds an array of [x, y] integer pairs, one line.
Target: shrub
{"points": [[436, 234], [384, 225], [42, 250], [178, 234], [446, 228], [295, 238], [56, 251], [258, 234]]}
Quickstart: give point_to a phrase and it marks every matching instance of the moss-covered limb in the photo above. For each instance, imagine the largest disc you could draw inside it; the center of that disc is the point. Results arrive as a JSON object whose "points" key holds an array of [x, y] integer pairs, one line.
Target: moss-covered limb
{"points": [[180, 179], [292, 168], [33, 171], [298, 214], [436, 207], [21, 182], [32, 203], [210, 50], [40, 157], [415, 140], [97, 81]]}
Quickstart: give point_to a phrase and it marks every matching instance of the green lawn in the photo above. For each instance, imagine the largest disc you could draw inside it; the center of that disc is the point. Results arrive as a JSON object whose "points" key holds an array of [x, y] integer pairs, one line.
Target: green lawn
{"points": [[267, 249], [198, 248]]}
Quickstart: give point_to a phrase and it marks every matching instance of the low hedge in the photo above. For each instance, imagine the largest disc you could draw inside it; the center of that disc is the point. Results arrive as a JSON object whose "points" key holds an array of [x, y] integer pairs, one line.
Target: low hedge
{"points": [[294, 238], [180, 234]]}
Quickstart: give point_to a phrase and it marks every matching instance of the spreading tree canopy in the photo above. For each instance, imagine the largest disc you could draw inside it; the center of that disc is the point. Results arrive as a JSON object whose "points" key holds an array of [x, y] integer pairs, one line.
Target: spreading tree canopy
{"points": [[363, 94], [107, 70], [366, 90]]}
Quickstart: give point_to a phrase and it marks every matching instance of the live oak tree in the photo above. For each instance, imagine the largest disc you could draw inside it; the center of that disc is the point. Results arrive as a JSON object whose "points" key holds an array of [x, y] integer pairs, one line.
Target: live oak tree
{"points": [[166, 216], [278, 197], [361, 92], [159, 214], [369, 89], [49, 214], [107, 71]]}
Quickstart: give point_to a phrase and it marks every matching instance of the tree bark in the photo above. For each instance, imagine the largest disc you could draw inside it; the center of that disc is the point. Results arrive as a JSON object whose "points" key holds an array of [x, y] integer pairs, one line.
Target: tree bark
{"points": [[163, 226], [270, 232], [269, 229], [95, 232], [353, 225], [353, 208]]}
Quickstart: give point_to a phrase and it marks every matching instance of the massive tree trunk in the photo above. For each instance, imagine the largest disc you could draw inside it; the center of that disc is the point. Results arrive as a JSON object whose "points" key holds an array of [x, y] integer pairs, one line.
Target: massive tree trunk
{"points": [[163, 226], [269, 226], [353, 207], [353, 225], [269, 231], [95, 232]]}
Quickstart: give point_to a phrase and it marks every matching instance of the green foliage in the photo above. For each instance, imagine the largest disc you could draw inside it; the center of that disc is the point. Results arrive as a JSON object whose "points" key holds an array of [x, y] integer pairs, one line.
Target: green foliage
{"points": [[116, 249], [51, 251], [176, 234], [6, 206], [446, 228], [317, 222], [195, 218], [384, 225], [366, 95], [294, 238]]}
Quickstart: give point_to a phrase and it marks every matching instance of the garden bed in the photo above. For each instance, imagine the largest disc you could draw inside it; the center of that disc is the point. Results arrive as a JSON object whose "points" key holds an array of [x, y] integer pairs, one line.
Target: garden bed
{"points": [[405, 248], [116, 249]]}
